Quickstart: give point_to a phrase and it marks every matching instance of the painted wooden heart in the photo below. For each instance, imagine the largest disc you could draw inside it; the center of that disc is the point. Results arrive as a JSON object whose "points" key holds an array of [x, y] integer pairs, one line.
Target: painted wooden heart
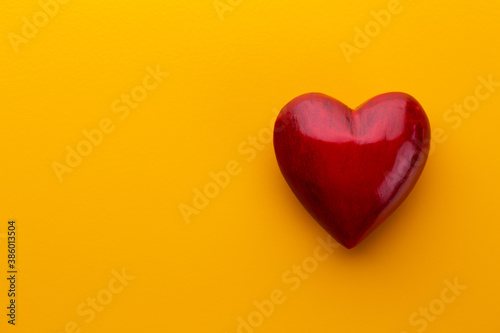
{"points": [[351, 168]]}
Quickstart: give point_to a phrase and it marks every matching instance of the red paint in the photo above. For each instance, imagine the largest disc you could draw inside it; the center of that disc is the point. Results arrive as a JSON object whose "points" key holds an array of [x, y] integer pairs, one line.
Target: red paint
{"points": [[351, 168]]}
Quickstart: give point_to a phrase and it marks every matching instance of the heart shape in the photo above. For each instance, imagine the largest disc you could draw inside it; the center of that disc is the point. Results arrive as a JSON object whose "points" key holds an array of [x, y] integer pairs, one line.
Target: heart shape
{"points": [[351, 168]]}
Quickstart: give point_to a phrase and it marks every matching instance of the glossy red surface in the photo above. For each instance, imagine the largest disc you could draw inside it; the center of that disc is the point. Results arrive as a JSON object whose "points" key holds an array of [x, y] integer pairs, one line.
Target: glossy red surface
{"points": [[351, 168]]}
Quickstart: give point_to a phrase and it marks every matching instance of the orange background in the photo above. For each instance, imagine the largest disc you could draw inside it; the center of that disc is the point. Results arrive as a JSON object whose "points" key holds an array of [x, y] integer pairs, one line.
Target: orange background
{"points": [[229, 72]]}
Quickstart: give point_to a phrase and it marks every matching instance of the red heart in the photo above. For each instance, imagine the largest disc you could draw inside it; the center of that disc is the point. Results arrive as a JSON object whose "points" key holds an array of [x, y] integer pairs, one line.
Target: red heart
{"points": [[351, 168]]}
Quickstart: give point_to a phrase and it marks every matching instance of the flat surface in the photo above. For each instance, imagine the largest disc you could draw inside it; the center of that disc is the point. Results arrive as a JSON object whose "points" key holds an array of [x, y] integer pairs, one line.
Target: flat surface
{"points": [[119, 207]]}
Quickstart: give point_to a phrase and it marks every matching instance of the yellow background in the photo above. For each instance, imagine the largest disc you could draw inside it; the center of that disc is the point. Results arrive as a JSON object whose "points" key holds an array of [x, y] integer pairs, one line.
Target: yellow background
{"points": [[120, 207]]}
